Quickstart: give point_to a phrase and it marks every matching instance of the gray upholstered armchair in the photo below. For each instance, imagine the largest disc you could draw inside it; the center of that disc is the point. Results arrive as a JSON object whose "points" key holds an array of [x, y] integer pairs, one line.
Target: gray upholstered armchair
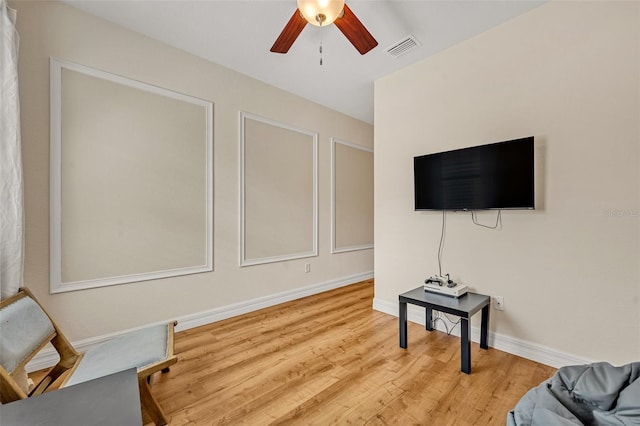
{"points": [[25, 328]]}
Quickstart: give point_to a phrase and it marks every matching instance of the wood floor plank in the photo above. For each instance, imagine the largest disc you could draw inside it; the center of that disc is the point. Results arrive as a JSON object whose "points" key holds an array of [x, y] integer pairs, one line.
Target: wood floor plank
{"points": [[330, 359]]}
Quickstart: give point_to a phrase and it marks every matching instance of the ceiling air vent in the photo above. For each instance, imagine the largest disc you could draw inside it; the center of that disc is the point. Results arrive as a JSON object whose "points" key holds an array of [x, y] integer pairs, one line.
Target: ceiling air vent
{"points": [[403, 46]]}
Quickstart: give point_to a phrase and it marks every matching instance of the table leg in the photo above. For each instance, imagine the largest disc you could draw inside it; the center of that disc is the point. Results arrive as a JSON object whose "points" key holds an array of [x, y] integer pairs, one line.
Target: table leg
{"points": [[484, 328], [403, 325], [429, 319], [465, 344]]}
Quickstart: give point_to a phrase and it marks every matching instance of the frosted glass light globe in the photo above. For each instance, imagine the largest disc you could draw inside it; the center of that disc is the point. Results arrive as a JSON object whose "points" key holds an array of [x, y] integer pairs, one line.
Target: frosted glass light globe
{"points": [[313, 10]]}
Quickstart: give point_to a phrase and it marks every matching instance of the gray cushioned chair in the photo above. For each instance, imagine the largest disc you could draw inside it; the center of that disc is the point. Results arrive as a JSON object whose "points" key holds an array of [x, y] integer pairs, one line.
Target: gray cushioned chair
{"points": [[25, 328]]}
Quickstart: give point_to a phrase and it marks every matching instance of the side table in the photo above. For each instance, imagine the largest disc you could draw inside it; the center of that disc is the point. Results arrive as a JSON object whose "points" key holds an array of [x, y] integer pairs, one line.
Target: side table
{"points": [[464, 307]]}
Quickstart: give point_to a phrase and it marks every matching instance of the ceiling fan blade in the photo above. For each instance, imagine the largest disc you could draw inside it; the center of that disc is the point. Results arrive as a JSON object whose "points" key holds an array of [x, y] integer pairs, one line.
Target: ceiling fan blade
{"points": [[357, 34], [290, 33]]}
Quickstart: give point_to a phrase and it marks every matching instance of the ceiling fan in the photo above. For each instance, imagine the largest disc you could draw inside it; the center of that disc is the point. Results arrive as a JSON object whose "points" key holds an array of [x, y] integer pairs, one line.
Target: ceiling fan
{"points": [[322, 13]]}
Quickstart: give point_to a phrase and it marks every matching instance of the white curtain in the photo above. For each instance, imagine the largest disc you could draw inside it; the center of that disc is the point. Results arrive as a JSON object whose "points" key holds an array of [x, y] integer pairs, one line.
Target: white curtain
{"points": [[11, 198]]}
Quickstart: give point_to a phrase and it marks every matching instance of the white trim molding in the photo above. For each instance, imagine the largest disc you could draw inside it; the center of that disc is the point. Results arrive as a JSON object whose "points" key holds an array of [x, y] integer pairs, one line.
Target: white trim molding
{"points": [[205, 247], [244, 261], [334, 249], [532, 351], [49, 357]]}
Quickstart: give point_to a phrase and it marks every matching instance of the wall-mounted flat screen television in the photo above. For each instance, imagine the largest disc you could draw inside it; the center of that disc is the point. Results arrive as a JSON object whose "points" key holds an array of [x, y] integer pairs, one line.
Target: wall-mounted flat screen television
{"points": [[493, 176]]}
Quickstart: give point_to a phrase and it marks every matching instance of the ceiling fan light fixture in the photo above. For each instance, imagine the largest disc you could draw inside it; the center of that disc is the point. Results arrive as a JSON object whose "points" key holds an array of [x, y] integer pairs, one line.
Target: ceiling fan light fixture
{"points": [[321, 12]]}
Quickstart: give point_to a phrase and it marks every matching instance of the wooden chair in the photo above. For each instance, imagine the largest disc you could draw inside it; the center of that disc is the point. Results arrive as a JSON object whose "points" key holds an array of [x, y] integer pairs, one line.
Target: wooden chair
{"points": [[26, 327]]}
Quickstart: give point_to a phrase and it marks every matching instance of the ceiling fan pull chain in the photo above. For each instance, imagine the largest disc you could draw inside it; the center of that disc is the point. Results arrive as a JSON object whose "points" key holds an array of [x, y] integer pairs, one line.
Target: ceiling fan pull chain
{"points": [[320, 43]]}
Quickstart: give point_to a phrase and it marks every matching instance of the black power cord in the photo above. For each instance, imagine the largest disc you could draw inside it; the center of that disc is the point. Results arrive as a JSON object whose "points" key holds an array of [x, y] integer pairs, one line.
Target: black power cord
{"points": [[435, 317]]}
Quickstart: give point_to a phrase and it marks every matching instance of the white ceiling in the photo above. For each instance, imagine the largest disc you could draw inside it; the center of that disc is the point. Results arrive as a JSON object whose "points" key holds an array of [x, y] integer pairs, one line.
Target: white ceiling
{"points": [[238, 34]]}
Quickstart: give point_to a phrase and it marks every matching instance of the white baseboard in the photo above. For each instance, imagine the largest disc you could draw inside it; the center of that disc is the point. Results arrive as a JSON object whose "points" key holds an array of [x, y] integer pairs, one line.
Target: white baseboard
{"points": [[534, 352], [49, 357], [224, 312]]}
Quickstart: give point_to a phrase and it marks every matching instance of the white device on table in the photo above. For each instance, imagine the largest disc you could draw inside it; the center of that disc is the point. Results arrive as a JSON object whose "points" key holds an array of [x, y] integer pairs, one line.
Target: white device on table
{"points": [[445, 286]]}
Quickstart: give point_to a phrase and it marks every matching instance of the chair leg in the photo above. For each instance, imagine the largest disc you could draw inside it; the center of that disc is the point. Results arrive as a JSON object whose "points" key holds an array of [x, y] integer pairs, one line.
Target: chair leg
{"points": [[49, 379], [150, 405]]}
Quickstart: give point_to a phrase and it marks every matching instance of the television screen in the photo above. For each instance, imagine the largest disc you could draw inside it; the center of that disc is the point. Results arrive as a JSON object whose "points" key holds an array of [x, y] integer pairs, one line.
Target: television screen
{"points": [[494, 176]]}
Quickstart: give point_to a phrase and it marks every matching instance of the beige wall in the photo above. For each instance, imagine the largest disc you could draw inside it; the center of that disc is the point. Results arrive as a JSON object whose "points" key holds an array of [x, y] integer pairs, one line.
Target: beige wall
{"points": [[125, 152], [51, 29], [567, 73], [278, 191], [353, 196]]}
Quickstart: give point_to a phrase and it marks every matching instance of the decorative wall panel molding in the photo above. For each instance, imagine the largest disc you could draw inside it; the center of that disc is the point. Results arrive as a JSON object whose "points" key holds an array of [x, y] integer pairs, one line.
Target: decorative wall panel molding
{"points": [[278, 191], [351, 197], [131, 180]]}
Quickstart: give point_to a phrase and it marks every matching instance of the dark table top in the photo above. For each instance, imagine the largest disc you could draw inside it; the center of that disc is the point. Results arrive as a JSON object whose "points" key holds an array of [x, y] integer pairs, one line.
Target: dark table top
{"points": [[112, 400], [465, 306]]}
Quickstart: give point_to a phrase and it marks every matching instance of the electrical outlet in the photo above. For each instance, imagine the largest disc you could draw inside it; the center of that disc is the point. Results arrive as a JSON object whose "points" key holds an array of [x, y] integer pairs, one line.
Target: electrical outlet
{"points": [[307, 267], [498, 303]]}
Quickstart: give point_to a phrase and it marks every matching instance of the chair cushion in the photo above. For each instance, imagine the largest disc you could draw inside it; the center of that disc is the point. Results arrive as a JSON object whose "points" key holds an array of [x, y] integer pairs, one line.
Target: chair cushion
{"points": [[136, 349], [24, 327]]}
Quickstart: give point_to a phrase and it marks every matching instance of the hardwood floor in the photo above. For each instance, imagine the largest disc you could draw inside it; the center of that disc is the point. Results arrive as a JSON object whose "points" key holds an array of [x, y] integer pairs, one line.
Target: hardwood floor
{"points": [[330, 359]]}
